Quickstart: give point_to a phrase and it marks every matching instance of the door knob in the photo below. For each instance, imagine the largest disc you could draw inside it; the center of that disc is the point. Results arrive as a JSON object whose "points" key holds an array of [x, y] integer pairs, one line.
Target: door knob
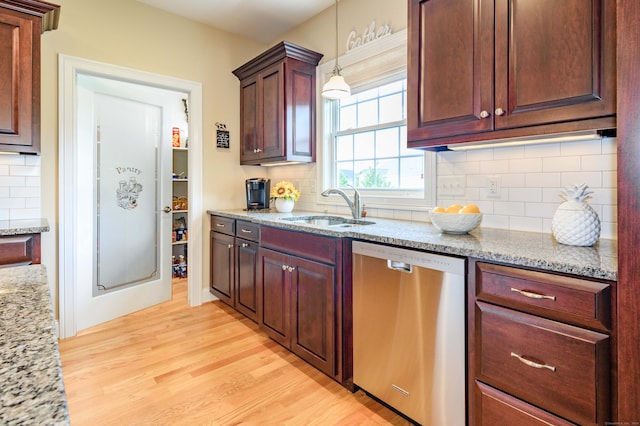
{"points": [[167, 209], [499, 111]]}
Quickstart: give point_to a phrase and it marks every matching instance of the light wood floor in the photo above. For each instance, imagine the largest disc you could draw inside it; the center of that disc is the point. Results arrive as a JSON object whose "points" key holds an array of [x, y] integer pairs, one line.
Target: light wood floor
{"points": [[175, 365]]}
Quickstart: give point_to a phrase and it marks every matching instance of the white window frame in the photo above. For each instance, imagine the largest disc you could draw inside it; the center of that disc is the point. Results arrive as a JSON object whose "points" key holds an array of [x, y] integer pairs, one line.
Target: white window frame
{"points": [[376, 62]]}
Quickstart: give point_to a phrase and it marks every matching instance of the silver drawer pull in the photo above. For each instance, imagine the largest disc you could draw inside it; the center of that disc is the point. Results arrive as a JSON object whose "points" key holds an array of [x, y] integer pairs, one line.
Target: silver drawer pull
{"points": [[531, 363], [220, 225], [246, 231], [399, 266], [532, 295]]}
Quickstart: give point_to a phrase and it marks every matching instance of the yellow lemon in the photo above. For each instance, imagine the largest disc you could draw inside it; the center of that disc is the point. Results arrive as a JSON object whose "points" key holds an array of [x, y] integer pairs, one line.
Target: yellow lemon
{"points": [[439, 209], [454, 208], [469, 208]]}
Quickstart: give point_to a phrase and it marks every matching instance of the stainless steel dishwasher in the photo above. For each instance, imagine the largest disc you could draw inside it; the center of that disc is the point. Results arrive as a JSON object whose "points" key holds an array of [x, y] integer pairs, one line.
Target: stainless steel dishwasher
{"points": [[409, 331]]}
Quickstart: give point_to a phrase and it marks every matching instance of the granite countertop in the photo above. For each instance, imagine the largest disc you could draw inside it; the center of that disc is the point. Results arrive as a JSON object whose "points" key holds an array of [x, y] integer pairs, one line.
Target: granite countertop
{"points": [[31, 387], [529, 249], [23, 226]]}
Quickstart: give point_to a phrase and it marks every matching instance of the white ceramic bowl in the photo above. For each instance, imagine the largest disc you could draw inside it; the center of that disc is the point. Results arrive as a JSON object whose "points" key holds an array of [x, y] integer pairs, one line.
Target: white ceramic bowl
{"points": [[455, 223]]}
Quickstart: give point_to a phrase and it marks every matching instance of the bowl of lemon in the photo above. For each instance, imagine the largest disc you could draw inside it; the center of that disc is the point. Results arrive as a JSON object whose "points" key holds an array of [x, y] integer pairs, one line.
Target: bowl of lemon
{"points": [[456, 219]]}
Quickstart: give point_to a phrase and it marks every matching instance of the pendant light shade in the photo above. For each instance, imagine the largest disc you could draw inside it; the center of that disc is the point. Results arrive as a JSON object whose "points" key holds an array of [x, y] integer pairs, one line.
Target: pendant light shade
{"points": [[336, 87]]}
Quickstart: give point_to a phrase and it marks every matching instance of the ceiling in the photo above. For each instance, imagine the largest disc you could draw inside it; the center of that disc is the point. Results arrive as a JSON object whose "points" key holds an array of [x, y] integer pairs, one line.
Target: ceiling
{"points": [[259, 20]]}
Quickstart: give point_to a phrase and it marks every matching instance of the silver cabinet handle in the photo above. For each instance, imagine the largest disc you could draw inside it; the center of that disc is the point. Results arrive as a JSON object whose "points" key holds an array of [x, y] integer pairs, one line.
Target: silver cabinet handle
{"points": [[220, 225], [531, 363], [245, 231], [230, 246], [532, 295], [167, 209], [499, 111], [484, 114], [244, 245], [291, 268], [284, 267]]}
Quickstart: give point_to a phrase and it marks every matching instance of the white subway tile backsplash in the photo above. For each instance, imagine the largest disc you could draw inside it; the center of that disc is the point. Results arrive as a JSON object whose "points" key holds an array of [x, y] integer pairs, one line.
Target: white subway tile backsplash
{"points": [[528, 224], [508, 153], [494, 167], [20, 196], [593, 179], [599, 162], [544, 210], [24, 171], [609, 146], [542, 151], [525, 165], [568, 149], [509, 208], [533, 195], [561, 164], [543, 180]]}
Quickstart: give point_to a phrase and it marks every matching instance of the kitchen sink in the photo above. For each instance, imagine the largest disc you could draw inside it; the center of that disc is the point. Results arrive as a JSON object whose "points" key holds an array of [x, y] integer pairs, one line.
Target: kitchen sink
{"points": [[329, 221]]}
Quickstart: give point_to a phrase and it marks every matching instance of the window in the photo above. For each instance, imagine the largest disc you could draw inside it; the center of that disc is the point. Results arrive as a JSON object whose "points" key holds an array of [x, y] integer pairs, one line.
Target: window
{"points": [[369, 137]]}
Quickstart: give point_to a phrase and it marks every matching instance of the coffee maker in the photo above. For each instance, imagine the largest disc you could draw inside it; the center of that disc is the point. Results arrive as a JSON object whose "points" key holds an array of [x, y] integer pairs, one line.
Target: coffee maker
{"points": [[258, 193]]}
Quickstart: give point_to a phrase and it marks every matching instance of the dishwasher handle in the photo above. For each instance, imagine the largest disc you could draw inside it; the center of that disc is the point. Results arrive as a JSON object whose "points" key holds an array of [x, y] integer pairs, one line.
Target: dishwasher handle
{"points": [[399, 266]]}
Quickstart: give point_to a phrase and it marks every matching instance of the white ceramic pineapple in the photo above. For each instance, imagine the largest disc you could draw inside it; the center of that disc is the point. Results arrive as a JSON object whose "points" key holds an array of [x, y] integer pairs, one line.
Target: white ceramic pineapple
{"points": [[575, 222]]}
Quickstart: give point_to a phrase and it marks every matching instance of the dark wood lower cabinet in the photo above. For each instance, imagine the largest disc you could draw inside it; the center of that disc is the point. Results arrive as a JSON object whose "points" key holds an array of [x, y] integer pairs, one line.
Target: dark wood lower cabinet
{"points": [[18, 250], [540, 347], [304, 299], [234, 256]]}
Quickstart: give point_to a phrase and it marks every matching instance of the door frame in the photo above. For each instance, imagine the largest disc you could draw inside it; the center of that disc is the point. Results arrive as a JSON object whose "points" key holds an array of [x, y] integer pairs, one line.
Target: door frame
{"points": [[68, 68]]}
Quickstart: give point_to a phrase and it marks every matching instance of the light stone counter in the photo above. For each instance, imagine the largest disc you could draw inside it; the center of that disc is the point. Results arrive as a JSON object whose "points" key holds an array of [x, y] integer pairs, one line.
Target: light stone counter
{"points": [[23, 226], [529, 249], [31, 387]]}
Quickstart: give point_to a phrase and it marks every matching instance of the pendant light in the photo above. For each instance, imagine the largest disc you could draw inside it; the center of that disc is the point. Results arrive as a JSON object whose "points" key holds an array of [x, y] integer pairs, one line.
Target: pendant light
{"points": [[336, 87]]}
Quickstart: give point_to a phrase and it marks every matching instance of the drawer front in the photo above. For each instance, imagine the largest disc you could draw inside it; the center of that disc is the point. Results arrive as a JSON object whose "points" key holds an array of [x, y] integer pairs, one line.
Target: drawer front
{"points": [[20, 250], [495, 408], [317, 247], [558, 367], [573, 300], [247, 230], [223, 225]]}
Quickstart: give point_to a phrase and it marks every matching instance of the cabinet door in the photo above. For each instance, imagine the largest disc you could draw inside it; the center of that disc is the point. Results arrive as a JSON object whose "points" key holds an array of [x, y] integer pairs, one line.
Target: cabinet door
{"points": [[271, 107], [276, 295], [246, 278], [313, 313], [450, 76], [222, 267], [300, 94], [249, 116], [19, 82], [555, 61]]}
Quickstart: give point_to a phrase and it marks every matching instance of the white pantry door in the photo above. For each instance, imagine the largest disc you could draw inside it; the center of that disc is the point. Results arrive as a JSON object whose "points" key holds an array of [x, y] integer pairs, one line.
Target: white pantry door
{"points": [[123, 190]]}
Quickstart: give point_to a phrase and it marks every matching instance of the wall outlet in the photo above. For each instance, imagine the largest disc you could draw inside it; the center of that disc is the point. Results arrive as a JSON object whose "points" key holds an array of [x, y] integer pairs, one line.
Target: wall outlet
{"points": [[451, 186], [494, 188]]}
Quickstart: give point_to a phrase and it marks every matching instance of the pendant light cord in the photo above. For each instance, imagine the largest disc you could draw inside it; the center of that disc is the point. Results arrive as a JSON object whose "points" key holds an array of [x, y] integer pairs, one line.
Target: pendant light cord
{"points": [[336, 69]]}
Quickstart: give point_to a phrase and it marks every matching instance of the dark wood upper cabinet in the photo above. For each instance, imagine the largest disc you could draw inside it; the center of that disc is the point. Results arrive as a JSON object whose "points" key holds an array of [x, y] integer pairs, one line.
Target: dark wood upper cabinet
{"points": [[278, 106], [21, 23], [509, 68]]}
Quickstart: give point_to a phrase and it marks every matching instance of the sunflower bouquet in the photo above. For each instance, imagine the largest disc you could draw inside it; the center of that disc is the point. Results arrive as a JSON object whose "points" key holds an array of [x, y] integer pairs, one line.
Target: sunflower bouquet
{"points": [[285, 190]]}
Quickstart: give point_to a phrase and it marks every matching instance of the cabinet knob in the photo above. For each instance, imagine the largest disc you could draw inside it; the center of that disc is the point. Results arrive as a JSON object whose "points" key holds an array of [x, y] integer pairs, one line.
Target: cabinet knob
{"points": [[291, 268], [484, 114], [284, 267], [229, 245], [245, 245], [499, 111]]}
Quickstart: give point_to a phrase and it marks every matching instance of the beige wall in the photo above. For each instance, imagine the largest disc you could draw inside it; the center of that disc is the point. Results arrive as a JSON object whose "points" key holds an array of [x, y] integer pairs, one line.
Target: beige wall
{"points": [[133, 35]]}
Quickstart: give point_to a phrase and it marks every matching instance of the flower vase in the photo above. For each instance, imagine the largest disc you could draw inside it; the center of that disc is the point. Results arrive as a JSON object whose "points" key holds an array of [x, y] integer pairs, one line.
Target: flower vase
{"points": [[283, 205]]}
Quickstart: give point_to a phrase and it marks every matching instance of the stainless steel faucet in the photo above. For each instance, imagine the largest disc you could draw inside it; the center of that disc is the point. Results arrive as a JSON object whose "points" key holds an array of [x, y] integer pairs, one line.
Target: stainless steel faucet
{"points": [[356, 210]]}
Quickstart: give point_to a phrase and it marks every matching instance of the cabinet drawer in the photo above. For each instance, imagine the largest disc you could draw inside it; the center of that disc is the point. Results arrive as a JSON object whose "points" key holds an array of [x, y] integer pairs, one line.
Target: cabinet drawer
{"points": [[223, 225], [20, 250], [495, 408], [568, 299], [316, 247], [557, 367], [247, 230]]}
